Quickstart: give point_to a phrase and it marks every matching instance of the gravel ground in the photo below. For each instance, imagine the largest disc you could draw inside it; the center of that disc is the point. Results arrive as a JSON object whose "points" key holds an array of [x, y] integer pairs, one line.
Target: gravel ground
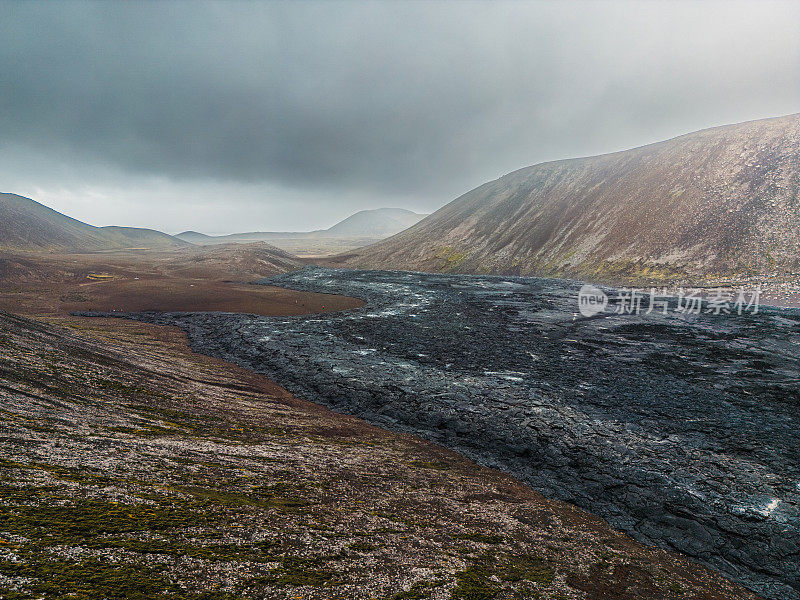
{"points": [[131, 468], [681, 430]]}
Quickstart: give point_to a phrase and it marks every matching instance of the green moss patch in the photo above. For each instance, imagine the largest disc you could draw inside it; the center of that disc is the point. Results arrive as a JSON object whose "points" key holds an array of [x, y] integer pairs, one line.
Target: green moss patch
{"points": [[93, 579], [299, 571], [528, 568], [481, 538], [81, 522], [474, 583]]}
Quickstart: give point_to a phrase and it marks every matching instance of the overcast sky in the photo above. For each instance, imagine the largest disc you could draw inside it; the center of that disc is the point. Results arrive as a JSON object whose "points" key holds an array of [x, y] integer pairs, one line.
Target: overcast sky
{"points": [[232, 116]]}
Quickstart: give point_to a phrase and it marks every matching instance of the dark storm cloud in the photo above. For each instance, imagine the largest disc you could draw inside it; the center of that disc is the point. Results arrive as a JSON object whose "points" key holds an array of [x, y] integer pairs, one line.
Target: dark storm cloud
{"points": [[312, 94], [416, 100]]}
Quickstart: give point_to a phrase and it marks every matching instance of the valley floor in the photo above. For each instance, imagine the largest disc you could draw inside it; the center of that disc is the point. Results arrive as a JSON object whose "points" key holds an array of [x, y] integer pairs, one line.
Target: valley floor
{"points": [[198, 279]]}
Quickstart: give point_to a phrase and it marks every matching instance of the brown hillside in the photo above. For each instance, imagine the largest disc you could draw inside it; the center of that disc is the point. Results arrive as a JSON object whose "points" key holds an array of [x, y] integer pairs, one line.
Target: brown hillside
{"points": [[29, 226], [718, 201]]}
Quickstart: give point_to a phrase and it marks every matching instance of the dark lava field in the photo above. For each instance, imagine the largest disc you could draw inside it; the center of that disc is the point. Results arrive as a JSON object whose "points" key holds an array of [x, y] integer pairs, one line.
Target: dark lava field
{"points": [[682, 430]]}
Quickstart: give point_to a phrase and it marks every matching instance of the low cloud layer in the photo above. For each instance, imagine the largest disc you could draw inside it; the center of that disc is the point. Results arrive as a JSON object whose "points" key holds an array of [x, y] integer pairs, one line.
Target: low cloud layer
{"points": [[238, 116]]}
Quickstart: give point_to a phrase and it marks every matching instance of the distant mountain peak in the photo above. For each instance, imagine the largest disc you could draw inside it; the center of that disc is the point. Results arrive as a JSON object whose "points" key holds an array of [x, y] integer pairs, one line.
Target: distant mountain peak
{"points": [[370, 224], [377, 222]]}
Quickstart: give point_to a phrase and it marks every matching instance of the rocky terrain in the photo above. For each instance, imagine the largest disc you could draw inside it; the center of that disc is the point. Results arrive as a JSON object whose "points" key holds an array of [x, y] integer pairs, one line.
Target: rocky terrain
{"points": [[681, 430], [133, 469], [713, 204]]}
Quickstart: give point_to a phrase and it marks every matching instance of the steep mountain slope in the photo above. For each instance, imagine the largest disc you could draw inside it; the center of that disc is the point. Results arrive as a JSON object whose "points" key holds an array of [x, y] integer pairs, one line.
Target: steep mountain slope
{"points": [[27, 225], [718, 201]]}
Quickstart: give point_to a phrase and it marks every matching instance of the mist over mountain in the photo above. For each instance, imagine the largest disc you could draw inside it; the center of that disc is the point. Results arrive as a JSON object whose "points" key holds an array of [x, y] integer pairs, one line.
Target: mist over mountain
{"points": [[376, 223], [717, 201]]}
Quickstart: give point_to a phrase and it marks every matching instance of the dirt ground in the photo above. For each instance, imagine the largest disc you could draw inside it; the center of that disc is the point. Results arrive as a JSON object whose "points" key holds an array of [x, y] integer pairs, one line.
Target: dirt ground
{"points": [[164, 281]]}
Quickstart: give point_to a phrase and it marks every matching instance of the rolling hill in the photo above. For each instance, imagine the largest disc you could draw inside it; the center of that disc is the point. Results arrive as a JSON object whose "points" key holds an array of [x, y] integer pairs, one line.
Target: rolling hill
{"points": [[372, 225], [193, 237], [721, 201], [26, 225]]}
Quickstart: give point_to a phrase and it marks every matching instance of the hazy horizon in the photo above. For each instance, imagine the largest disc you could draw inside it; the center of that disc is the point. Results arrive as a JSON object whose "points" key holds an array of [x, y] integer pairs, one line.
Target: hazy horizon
{"points": [[156, 115]]}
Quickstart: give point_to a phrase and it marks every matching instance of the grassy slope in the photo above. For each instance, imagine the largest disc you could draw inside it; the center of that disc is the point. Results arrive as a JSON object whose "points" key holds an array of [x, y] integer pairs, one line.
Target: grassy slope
{"points": [[132, 468]]}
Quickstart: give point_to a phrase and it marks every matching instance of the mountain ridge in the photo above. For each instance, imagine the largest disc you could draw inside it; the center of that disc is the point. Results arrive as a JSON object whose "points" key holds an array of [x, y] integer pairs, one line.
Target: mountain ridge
{"points": [[370, 223], [719, 201], [28, 225]]}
